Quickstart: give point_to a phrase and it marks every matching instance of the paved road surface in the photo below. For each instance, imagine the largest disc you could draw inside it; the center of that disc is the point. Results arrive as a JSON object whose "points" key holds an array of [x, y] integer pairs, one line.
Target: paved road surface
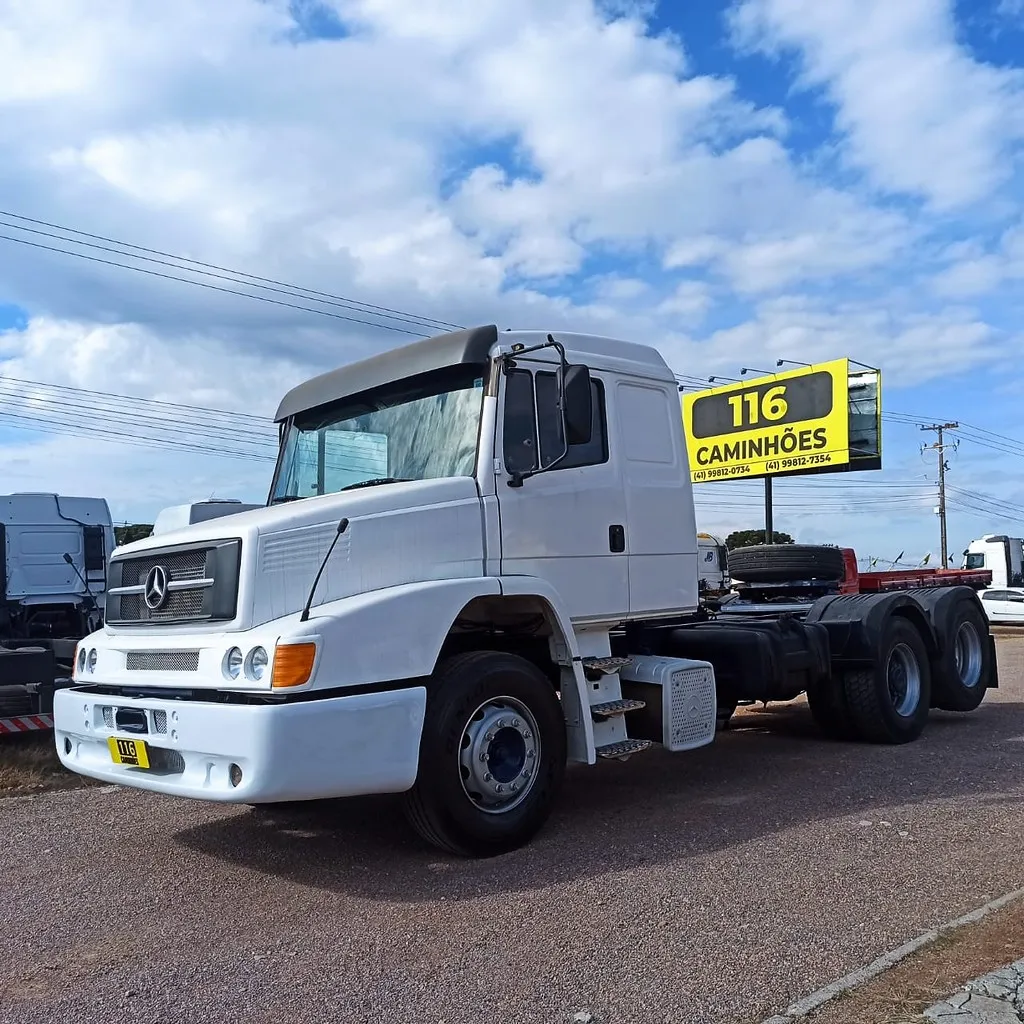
{"points": [[713, 886]]}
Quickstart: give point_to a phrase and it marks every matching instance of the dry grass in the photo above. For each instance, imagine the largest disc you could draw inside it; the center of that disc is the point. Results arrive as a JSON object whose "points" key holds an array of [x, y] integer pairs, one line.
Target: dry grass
{"points": [[901, 995], [29, 764], [1007, 632]]}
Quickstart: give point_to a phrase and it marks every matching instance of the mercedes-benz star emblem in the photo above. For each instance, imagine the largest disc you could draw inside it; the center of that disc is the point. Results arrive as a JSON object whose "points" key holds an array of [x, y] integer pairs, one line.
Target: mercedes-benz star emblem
{"points": [[155, 593]]}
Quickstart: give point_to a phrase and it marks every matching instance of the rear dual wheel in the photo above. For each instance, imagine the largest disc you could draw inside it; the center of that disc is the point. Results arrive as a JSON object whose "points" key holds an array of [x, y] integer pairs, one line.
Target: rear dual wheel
{"points": [[963, 670], [889, 703]]}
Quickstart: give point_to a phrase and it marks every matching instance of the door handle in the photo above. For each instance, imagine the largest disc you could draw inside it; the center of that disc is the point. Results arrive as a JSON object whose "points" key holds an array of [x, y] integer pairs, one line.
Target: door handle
{"points": [[616, 538]]}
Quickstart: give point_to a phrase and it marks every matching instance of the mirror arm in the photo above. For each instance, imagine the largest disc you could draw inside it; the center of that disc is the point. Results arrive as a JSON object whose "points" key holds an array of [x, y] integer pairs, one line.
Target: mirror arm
{"points": [[515, 479]]}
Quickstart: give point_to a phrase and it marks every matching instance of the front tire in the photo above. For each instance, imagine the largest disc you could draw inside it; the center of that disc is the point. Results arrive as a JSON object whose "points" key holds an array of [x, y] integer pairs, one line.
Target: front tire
{"points": [[492, 755], [889, 703]]}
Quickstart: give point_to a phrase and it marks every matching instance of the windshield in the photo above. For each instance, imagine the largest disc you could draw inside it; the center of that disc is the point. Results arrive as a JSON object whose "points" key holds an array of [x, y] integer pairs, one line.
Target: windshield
{"points": [[975, 561], [418, 429]]}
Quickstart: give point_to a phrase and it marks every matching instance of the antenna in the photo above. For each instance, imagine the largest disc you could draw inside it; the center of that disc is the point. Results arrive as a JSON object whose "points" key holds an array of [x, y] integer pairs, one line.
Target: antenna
{"points": [[342, 527]]}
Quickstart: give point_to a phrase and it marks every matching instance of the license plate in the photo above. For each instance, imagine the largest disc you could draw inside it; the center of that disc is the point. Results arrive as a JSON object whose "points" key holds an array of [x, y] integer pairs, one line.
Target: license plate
{"points": [[129, 752]]}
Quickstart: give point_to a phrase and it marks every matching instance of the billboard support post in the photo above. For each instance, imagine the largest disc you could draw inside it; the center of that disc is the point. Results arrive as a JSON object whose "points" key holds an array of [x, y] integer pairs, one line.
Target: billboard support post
{"points": [[769, 525]]}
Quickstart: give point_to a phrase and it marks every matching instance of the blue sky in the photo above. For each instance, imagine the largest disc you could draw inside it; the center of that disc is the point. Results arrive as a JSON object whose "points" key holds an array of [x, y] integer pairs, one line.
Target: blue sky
{"points": [[734, 182]]}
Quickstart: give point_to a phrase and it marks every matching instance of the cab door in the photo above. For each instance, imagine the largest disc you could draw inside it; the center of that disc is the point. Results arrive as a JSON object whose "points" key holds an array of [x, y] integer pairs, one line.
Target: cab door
{"points": [[566, 525]]}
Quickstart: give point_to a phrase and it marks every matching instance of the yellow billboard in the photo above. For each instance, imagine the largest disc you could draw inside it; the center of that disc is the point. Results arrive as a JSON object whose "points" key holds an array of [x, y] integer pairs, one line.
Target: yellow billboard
{"points": [[792, 422]]}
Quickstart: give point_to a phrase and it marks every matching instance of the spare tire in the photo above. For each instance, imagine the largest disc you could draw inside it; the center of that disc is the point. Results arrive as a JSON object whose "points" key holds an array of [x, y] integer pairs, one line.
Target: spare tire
{"points": [[784, 563]]}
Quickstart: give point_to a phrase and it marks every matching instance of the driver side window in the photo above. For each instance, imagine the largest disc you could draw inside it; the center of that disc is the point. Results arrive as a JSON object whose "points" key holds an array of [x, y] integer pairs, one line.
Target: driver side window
{"points": [[532, 424]]}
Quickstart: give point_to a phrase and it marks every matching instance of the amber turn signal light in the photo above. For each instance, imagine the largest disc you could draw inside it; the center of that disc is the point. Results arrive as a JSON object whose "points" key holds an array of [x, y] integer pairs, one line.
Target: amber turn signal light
{"points": [[293, 664]]}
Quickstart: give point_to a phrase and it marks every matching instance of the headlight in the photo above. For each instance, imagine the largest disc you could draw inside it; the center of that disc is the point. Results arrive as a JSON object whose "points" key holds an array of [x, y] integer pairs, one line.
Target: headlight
{"points": [[256, 663], [91, 660], [232, 663], [81, 659]]}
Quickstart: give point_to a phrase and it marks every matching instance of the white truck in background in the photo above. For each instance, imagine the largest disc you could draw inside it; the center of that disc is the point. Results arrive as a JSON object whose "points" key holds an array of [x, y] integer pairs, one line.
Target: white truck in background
{"points": [[478, 562], [712, 565], [1003, 556], [53, 552], [177, 517]]}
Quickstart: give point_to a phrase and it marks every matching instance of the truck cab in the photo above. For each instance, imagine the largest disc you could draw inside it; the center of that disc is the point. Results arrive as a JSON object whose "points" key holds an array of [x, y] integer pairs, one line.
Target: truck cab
{"points": [[53, 559], [177, 517], [1002, 556], [478, 561], [712, 565]]}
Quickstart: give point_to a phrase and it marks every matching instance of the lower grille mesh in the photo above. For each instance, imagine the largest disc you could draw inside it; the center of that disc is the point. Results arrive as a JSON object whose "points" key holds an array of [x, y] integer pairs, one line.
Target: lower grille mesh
{"points": [[162, 661]]}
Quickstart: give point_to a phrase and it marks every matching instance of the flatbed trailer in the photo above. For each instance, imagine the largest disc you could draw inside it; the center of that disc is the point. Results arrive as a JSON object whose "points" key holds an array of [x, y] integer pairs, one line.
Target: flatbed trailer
{"points": [[856, 582], [478, 563]]}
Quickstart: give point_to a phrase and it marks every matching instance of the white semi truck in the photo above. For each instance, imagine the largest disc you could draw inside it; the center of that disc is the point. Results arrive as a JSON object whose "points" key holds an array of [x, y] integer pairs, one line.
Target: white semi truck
{"points": [[1002, 555], [53, 560], [477, 562]]}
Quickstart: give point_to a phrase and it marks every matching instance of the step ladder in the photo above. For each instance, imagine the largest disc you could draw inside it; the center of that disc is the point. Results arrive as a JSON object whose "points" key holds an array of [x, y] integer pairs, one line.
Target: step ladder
{"points": [[608, 709]]}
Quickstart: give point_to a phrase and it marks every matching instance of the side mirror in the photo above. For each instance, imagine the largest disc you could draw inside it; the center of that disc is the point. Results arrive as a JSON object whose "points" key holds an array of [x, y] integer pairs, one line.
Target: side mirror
{"points": [[578, 412]]}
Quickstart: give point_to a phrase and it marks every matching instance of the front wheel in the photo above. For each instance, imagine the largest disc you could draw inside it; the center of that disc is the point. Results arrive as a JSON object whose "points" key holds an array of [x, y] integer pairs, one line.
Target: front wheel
{"points": [[492, 756]]}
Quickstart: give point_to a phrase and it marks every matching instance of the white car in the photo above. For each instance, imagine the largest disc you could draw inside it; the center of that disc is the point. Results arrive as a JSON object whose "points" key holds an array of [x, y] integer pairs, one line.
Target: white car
{"points": [[1005, 605]]}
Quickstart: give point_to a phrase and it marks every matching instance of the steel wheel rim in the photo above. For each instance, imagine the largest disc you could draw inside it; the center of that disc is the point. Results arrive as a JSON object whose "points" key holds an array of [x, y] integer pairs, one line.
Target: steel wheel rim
{"points": [[903, 678], [967, 652], [499, 752]]}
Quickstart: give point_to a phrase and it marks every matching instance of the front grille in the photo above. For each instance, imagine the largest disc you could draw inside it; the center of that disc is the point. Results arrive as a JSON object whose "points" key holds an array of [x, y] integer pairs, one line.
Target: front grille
{"points": [[182, 565], [181, 604], [162, 661], [200, 585]]}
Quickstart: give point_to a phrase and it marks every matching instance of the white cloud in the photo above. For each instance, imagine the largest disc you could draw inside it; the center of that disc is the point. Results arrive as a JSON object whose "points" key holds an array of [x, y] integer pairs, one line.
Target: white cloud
{"points": [[474, 162], [920, 114], [136, 481], [911, 348], [973, 271], [690, 302], [132, 360]]}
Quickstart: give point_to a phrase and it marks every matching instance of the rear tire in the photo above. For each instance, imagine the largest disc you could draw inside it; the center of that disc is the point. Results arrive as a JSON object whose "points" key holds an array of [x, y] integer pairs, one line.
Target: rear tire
{"points": [[889, 703], [829, 709], [492, 756], [962, 673], [785, 563]]}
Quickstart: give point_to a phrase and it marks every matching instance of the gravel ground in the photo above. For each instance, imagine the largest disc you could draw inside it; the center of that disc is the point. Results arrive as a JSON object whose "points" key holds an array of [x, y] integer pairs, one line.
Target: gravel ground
{"points": [[715, 886]]}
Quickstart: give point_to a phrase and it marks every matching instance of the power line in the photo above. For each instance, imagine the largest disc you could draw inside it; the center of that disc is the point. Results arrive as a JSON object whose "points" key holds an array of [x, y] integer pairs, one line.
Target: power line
{"points": [[329, 297], [70, 389], [210, 287]]}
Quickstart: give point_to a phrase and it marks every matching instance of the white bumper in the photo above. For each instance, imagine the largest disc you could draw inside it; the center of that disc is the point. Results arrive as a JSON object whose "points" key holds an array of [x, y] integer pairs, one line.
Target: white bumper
{"points": [[318, 749]]}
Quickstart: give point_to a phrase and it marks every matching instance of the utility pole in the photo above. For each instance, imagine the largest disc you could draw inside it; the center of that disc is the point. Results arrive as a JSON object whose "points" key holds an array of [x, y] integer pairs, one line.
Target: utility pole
{"points": [[941, 447]]}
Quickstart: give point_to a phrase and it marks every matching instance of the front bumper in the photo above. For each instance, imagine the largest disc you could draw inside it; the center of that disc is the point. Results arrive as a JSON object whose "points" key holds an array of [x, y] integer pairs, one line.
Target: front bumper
{"points": [[309, 750]]}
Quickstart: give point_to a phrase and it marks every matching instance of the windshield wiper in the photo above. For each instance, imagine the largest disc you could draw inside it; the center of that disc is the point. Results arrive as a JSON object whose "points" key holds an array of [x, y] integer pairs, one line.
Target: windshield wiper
{"points": [[377, 480], [287, 497]]}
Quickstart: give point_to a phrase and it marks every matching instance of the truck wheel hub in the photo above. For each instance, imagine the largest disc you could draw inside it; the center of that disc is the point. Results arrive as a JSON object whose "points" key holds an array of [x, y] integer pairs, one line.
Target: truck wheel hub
{"points": [[968, 654], [903, 676], [498, 755]]}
